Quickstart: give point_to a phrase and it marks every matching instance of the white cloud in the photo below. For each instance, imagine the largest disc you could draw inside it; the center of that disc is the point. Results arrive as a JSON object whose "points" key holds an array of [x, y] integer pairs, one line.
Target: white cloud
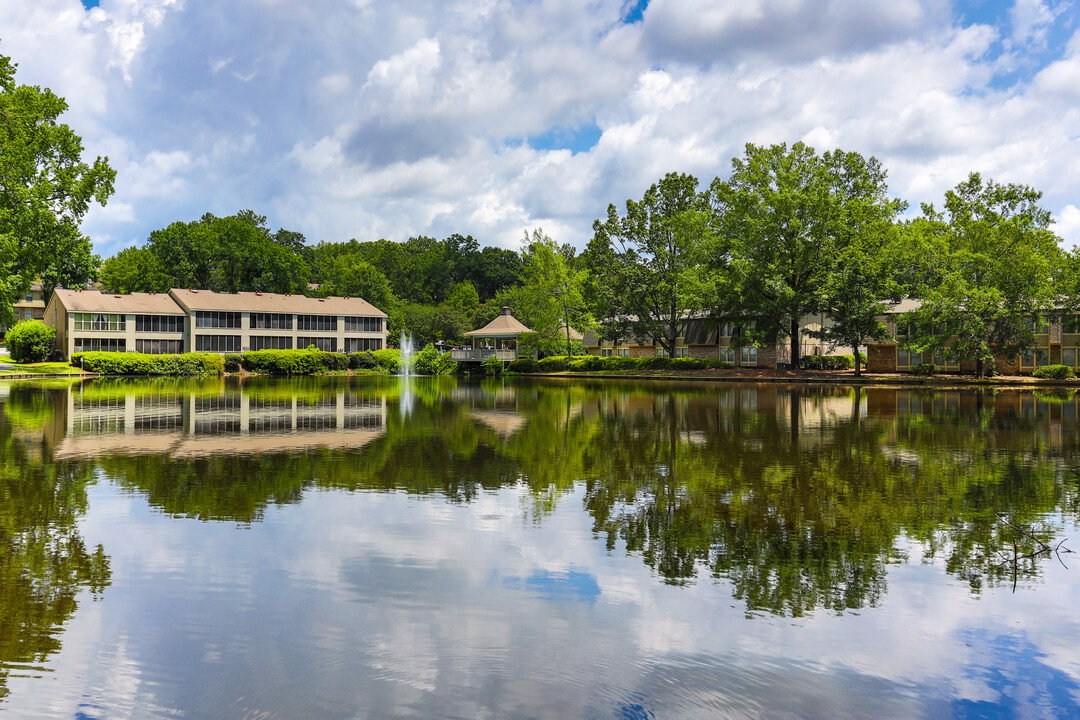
{"points": [[389, 120], [1067, 225]]}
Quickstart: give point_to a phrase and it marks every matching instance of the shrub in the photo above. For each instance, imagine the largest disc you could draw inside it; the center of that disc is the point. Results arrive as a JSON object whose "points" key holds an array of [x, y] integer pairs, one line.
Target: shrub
{"points": [[332, 361], [555, 363], [523, 365], [1054, 372], [285, 362], [492, 366], [925, 369], [830, 362], [232, 363], [389, 360], [124, 363], [30, 341], [586, 363], [362, 361]]}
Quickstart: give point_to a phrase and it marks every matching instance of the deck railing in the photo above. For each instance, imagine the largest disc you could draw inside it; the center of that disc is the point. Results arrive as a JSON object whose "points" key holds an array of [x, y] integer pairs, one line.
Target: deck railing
{"points": [[475, 355]]}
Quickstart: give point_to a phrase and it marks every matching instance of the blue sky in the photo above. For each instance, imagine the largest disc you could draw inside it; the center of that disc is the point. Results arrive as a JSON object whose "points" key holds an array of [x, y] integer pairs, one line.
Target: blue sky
{"points": [[368, 119]]}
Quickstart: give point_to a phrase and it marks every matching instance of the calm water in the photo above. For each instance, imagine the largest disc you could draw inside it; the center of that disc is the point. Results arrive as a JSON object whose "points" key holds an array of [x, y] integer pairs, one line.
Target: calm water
{"points": [[367, 548]]}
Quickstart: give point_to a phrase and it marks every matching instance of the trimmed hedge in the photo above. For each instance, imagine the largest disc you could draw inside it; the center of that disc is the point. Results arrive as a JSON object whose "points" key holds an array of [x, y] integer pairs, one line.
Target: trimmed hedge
{"points": [[362, 361], [294, 362], [1054, 372], [595, 363], [232, 363], [125, 363]]}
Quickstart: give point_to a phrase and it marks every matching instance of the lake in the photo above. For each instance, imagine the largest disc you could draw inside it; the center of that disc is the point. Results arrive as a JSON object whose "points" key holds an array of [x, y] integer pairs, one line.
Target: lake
{"points": [[371, 547]]}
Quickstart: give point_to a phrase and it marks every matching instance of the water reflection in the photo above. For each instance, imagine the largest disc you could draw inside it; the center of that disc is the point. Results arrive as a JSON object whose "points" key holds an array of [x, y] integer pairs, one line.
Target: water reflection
{"points": [[790, 499]]}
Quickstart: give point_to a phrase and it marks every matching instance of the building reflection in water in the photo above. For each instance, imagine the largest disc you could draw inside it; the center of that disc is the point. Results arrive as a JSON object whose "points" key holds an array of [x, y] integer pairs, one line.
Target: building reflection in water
{"points": [[192, 422]]}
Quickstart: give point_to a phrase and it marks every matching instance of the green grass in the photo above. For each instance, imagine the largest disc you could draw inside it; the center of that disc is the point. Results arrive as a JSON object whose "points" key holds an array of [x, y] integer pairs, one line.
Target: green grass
{"points": [[45, 368]]}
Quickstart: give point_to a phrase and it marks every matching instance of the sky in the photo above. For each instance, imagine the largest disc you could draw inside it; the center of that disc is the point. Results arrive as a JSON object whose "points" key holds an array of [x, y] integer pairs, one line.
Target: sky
{"points": [[370, 119]]}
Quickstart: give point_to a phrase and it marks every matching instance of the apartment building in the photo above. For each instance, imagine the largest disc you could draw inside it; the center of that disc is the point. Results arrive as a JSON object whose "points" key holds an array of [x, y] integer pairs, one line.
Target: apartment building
{"points": [[204, 321], [29, 306]]}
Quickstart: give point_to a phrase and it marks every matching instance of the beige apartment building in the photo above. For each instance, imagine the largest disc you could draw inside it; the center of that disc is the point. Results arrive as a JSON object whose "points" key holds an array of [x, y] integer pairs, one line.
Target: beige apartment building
{"points": [[205, 321], [29, 306]]}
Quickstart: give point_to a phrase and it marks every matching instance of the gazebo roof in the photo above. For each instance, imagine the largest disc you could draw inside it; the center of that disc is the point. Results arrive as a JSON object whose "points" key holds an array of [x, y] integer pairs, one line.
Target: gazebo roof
{"points": [[574, 334], [504, 325]]}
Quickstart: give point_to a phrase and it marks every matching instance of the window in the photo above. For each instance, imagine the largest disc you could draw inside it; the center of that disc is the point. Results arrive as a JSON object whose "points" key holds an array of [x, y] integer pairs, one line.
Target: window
{"points": [[100, 345], [1068, 356], [363, 324], [271, 321], [319, 323], [906, 358], [362, 344], [623, 352], [727, 330], [661, 352], [159, 347], [217, 319], [681, 351], [29, 297], [1071, 324], [727, 355], [322, 343], [109, 322], [159, 323], [749, 356], [1038, 325], [217, 343], [271, 342], [605, 352]]}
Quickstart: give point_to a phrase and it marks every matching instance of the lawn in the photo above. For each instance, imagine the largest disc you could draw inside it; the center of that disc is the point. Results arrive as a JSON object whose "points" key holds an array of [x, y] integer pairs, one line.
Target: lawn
{"points": [[45, 368]]}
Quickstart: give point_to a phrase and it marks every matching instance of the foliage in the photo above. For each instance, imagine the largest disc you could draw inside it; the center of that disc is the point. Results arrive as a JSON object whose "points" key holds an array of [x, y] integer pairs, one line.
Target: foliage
{"points": [[30, 341], [232, 363], [427, 323], [651, 258], [522, 365], [1054, 372], [351, 276], [363, 361], [45, 190], [492, 366], [389, 360], [829, 362], [800, 233], [125, 363], [550, 299], [134, 269], [992, 262], [430, 361], [295, 362], [925, 369]]}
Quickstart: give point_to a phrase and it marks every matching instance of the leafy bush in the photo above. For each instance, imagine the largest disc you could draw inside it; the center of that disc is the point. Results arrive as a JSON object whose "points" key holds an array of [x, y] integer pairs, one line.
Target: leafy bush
{"points": [[586, 363], [232, 363], [389, 360], [925, 369], [555, 363], [30, 341], [284, 362], [362, 361], [333, 362], [430, 361], [125, 363], [492, 366], [523, 365], [830, 362], [1054, 372]]}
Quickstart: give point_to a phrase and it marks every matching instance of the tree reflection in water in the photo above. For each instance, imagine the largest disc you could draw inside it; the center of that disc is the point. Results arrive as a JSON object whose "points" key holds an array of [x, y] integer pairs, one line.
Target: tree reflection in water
{"points": [[798, 498]]}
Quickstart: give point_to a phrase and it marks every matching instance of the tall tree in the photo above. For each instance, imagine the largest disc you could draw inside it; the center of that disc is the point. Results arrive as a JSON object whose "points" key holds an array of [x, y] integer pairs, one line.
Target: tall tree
{"points": [[862, 274], [655, 251], [781, 219], [134, 269], [550, 297], [45, 190], [997, 267], [357, 278]]}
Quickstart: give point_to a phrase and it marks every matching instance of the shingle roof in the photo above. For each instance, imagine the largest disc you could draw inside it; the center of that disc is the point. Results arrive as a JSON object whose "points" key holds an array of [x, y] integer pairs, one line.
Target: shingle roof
{"points": [[274, 303], [504, 325], [93, 301]]}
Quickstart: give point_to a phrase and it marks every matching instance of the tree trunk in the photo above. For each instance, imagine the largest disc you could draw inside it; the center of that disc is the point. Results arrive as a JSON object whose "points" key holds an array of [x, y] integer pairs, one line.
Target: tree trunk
{"points": [[979, 368], [858, 365], [795, 343]]}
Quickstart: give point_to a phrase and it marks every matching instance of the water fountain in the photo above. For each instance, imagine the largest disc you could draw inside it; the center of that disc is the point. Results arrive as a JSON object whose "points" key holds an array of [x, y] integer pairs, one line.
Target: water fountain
{"points": [[406, 399]]}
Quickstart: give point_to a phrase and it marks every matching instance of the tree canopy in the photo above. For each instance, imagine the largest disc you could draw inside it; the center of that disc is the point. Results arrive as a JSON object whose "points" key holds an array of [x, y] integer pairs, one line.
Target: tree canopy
{"points": [[45, 190]]}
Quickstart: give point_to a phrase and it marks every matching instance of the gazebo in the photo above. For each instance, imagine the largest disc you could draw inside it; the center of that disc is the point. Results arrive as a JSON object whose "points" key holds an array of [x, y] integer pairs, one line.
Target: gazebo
{"points": [[499, 338]]}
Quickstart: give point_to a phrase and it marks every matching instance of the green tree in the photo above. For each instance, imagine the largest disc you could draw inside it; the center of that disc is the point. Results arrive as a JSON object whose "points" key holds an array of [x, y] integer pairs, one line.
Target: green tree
{"points": [[863, 271], [134, 269], [550, 298], [355, 277], [997, 264], [464, 298], [45, 190], [654, 253], [781, 219], [30, 341]]}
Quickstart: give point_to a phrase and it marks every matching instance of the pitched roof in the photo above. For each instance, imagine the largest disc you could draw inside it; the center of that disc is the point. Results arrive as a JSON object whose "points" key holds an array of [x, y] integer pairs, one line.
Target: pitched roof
{"points": [[93, 301], [574, 334], [273, 303], [504, 325]]}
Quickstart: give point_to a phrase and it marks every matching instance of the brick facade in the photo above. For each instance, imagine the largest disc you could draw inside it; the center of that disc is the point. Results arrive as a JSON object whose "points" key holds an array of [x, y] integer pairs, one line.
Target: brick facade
{"points": [[702, 352], [766, 357], [881, 358]]}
